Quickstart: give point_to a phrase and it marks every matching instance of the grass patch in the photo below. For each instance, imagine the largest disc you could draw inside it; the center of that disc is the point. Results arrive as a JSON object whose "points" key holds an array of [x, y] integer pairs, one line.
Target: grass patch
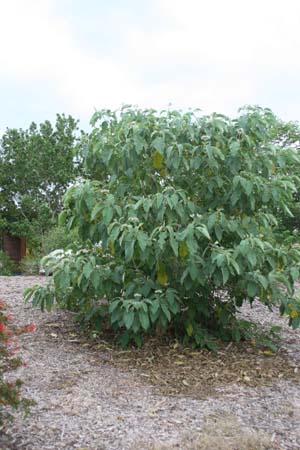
{"points": [[218, 433]]}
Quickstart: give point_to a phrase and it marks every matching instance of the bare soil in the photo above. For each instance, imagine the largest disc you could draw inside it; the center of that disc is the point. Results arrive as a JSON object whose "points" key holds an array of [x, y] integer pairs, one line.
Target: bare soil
{"points": [[92, 395]]}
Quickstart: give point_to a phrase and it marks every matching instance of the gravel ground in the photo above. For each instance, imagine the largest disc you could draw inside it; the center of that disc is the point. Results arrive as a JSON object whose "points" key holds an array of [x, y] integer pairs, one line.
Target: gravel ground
{"points": [[85, 402]]}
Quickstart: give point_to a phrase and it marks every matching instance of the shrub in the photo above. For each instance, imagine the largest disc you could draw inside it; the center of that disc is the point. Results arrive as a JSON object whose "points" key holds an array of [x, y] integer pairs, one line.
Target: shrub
{"points": [[30, 265], [179, 225], [7, 266], [10, 391], [59, 237]]}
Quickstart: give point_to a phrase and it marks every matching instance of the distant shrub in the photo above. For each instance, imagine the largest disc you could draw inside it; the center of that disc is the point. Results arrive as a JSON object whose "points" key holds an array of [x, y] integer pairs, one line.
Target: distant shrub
{"points": [[58, 237], [7, 266], [29, 265]]}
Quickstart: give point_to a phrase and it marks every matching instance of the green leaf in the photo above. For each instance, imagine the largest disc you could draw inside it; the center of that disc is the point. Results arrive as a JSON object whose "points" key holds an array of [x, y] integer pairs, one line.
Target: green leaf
{"points": [[95, 279], [193, 270], [107, 215], [218, 277], [203, 230], [234, 147], [124, 339], [62, 279], [236, 334], [174, 200], [106, 155], [247, 185], [114, 233], [192, 245], [172, 301], [244, 247], [287, 210], [225, 274], [251, 256], [49, 301], [236, 181], [139, 143], [159, 200], [162, 240], [166, 311], [128, 318], [295, 322], [219, 259], [113, 305], [129, 248], [219, 232], [96, 210], [252, 288], [158, 144], [147, 204], [95, 117], [235, 197], [173, 241], [142, 240], [155, 305], [211, 221], [62, 218], [224, 316], [176, 161], [235, 266], [295, 273], [144, 319], [87, 270], [263, 280]]}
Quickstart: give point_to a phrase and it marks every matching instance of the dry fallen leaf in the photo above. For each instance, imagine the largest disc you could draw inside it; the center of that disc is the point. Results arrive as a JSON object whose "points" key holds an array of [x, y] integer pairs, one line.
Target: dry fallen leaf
{"points": [[268, 353]]}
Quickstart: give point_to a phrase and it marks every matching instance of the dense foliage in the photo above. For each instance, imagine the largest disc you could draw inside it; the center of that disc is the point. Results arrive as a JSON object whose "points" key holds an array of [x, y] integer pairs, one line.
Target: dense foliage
{"points": [[7, 266], [59, 237], [36, 166], [180, 225]]}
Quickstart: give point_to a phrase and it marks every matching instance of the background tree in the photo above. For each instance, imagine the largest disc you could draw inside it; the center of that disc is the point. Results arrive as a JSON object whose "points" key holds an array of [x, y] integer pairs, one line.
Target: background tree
{"points": [[36, 167]]}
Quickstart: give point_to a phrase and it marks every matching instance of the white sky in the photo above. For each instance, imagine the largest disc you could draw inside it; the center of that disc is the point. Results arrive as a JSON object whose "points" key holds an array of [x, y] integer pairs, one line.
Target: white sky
{"points": [[75, 56]]}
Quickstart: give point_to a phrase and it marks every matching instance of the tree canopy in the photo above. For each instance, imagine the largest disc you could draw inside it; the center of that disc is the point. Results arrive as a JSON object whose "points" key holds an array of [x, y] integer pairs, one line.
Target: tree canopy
{"points": [[36, 167]]}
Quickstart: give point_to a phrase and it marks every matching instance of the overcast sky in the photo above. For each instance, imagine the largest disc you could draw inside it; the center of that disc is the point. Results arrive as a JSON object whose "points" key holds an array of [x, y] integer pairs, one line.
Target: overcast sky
{"points": [[75, 56]]}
